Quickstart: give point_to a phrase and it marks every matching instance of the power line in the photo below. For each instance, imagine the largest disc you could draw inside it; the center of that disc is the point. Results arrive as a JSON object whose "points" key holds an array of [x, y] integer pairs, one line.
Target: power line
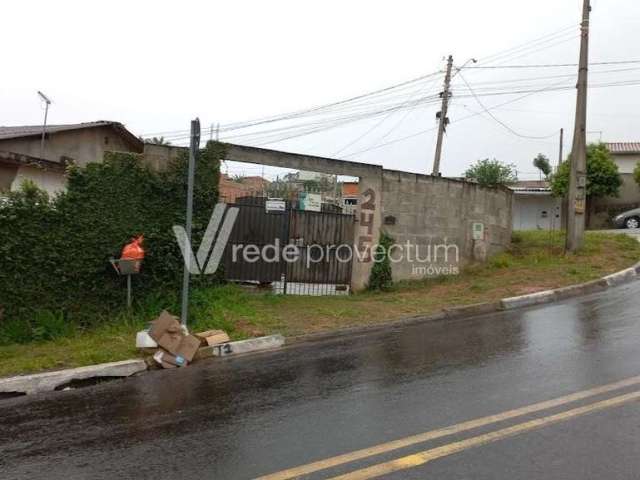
{"points": [[554, 65], [421, 132], [425, 87], [313, 110], [536, 41], [486, 110]]}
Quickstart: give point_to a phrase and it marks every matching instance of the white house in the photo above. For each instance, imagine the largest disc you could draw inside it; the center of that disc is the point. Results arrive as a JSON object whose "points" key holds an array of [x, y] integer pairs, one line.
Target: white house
{"points": [[534, 208]]}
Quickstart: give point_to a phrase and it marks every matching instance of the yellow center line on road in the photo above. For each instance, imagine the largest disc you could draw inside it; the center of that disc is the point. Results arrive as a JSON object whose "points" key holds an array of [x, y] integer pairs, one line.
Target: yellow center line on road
{"points": [[416, 459], [442, 432]]}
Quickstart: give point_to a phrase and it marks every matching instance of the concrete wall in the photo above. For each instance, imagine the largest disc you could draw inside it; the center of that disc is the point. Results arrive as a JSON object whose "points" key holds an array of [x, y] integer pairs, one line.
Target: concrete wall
{"points": [[159, 156], [7, 176], [626, 163], [424, 210], [52, 182], [436, 215], [82, 145]]}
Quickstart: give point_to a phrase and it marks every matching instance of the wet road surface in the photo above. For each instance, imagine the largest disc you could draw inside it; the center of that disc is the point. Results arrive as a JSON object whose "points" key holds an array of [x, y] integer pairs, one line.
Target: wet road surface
{"points": [[253, 416]]}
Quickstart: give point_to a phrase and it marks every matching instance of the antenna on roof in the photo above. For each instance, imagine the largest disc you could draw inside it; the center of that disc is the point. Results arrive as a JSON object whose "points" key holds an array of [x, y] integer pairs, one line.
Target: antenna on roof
{"points": [[44, 125]]}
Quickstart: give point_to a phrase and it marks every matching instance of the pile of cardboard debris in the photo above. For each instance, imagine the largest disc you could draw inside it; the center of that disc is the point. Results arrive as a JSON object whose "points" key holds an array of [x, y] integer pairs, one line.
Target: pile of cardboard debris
{"points": [[171, 344]]}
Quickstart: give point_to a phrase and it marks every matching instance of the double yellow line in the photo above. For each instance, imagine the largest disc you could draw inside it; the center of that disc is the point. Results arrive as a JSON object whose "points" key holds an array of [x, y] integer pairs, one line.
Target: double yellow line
{"points": [[425, 456]]}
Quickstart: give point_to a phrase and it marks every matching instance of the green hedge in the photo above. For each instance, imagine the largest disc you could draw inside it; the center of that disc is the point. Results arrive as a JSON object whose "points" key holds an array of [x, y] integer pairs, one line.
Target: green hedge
{"points": [[55, 252]]}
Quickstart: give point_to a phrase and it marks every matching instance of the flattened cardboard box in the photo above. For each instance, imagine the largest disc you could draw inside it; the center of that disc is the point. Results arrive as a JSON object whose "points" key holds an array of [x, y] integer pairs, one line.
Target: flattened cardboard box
{"points": [[213, 337], [167, 332], [163, 324], [170, 341]]}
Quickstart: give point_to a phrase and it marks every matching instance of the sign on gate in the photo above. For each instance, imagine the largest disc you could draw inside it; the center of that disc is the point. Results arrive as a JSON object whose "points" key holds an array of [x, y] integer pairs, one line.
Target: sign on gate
{"points": [[275, 205], [311, 202]]}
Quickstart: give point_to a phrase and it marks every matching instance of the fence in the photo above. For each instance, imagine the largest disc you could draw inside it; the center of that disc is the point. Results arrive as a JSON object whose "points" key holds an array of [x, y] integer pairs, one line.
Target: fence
{"points": [[295, 251]]}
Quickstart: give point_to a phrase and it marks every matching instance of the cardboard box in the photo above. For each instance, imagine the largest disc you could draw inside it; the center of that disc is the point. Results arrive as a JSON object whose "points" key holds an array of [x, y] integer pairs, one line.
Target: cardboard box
{"points": [[170, 341], [166, 360], [176, 348], [213, 337], [165, 323], [188, 347]]}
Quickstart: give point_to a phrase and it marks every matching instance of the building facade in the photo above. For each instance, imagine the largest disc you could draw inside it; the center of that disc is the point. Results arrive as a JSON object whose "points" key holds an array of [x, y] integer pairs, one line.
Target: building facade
{"points": [[534, 208], [626, 156], [24, 157]]}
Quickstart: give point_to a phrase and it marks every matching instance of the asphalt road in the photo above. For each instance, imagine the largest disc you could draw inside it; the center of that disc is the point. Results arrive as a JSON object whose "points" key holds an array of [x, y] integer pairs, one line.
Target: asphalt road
{"points": [[318, 406]]}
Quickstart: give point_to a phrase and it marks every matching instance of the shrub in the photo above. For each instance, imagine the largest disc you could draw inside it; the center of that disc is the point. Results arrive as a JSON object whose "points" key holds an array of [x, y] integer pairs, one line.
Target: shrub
{"points": [[380, 277], [56, 251]]}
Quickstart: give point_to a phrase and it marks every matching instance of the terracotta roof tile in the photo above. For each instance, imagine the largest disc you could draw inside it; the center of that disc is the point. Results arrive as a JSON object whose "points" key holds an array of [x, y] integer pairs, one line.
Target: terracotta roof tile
{"points": [[623, 147]]}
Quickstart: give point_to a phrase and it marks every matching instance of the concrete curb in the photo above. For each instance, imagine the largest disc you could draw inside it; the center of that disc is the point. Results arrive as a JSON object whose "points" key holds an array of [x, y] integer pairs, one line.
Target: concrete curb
{"points": [[510, 303], [240, 347], [48, 381], [622, 276]]}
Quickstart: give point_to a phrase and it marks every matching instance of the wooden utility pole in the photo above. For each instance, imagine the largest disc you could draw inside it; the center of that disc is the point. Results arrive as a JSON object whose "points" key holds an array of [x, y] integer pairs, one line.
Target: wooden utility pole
{"points": [[578, 176], [442, 126]]}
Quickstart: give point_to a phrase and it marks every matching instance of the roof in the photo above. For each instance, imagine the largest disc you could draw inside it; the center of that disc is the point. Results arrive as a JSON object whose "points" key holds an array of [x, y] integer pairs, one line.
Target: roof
{"points": [[531, 186], [12, 158], [20, 131], [621, 148]]}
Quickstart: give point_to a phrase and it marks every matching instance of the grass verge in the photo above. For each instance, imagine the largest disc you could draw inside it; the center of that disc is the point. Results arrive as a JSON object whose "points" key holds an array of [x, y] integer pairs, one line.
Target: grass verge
{"points": [[535, 262]]}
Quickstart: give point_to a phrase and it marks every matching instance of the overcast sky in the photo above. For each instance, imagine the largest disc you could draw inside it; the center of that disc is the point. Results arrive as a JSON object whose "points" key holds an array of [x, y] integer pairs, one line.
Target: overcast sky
{"points": [[154, 65]]}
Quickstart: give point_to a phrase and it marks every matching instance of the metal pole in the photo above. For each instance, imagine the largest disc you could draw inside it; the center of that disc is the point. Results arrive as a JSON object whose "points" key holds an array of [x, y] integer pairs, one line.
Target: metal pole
{"points": [[47, 102], [129, 291], [578, 175], [193, 152], [443, 117]]}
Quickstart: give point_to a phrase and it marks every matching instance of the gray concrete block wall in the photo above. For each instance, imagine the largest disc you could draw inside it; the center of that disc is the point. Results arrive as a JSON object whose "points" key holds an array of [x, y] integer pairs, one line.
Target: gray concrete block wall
{"points": [[434, 213]]}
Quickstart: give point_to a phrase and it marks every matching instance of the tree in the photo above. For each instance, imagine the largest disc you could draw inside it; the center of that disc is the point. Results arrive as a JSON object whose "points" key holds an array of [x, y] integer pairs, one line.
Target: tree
{"points": [[157, 141], [492, 173], [603, 179], [636, 173], [541, 162]]}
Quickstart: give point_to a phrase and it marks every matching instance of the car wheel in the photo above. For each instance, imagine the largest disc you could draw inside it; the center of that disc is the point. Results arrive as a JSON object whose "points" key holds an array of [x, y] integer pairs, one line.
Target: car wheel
{"points": [[632, 222]]}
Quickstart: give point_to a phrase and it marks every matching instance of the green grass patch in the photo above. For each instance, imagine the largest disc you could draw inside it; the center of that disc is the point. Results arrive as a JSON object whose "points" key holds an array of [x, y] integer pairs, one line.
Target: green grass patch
{"points": [[535, 262]]}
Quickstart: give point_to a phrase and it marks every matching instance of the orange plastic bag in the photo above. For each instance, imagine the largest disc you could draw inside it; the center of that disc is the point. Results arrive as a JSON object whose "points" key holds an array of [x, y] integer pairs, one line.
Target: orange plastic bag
{"points": [[133, 250]]}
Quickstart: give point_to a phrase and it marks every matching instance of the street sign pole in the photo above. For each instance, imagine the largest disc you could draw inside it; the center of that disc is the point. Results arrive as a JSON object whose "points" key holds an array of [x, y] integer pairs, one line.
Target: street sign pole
{"points": [[193, 152]]}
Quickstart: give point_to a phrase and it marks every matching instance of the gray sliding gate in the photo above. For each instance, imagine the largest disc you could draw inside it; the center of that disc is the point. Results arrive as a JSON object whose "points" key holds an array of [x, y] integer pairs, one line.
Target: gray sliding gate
{"points": [[321, 268]]}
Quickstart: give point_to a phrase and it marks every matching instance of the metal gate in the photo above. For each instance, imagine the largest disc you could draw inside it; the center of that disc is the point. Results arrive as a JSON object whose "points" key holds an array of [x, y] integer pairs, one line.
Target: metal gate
{"points": [[296, 251]]}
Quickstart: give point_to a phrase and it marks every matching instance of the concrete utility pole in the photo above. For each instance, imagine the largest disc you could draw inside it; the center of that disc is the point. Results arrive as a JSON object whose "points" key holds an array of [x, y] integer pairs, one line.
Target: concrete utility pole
{"points": [[560, 153], [442, 126], [578, 176], [564, 202]]}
